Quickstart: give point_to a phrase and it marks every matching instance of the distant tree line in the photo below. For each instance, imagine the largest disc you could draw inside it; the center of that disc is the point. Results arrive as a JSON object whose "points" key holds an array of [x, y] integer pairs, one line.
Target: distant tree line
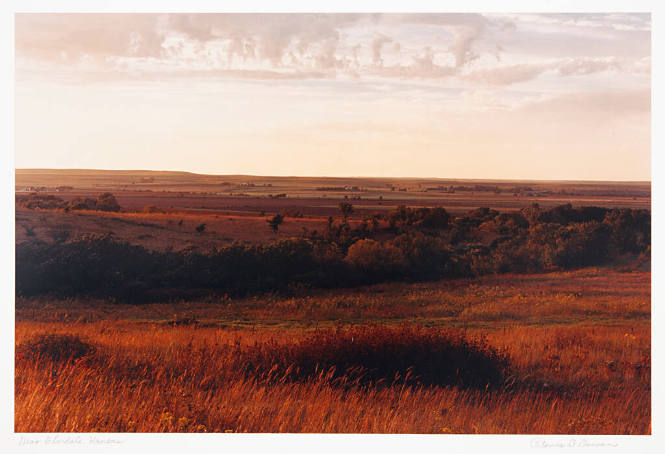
{"points": [[405, 244], [104, 202]]}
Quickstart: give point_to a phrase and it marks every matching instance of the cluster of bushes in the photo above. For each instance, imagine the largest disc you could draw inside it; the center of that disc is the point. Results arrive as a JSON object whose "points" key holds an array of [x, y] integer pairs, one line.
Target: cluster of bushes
{"points": [[89, 265], [411, 255], [428, 242], [428, 218], [566, 237], [104, 267], [104, 202], [525, 241], [35, 200]]}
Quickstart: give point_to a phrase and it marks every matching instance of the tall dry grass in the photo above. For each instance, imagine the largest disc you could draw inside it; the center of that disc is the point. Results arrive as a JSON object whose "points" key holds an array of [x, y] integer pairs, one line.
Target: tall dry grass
{"points": [[153, 378], [577, 345]]}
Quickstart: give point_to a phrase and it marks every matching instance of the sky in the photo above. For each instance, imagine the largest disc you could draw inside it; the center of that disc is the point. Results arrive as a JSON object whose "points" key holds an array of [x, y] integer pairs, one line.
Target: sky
{"points": [[490, 96]]}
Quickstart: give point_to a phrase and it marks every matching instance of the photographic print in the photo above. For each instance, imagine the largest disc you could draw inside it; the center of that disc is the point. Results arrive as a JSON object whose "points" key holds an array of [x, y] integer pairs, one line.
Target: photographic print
{"points": [[405, 223]]}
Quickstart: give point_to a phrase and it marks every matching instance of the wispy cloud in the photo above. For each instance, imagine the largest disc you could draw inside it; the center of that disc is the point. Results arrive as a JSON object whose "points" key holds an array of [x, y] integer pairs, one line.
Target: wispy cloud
{"points": [[311, 45]]}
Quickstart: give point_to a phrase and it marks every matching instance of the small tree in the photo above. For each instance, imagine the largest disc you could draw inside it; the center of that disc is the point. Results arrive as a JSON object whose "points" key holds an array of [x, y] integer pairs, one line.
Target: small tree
{"points": [[346, 209], [375, 222], [201, 228], [275, 222], [532, 213]]}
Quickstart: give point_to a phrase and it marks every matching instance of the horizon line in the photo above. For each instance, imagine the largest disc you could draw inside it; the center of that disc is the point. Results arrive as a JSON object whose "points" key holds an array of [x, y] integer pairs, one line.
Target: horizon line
{"points": [[329, 176]]}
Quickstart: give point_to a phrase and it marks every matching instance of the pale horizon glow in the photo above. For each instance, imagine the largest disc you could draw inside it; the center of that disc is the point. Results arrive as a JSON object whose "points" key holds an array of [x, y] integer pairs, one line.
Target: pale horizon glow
{"points": [[491, 96]]}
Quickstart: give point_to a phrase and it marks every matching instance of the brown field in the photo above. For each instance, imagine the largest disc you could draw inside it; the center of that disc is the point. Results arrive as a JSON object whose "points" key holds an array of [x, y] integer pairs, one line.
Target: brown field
{"points": [[577, 342], [233, 209], [159, 231], [315, 195]]}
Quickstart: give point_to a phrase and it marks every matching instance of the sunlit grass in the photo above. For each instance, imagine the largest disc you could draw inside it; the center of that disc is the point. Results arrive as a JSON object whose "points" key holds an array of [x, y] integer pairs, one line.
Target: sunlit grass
{"points": [[584, 367], [566, 380], [595, 294]]}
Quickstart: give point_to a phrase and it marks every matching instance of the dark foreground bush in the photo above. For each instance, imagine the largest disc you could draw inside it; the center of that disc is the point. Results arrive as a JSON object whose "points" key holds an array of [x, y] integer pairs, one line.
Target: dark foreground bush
{"points": [[55, 348], [381, 355], [99, 266]]}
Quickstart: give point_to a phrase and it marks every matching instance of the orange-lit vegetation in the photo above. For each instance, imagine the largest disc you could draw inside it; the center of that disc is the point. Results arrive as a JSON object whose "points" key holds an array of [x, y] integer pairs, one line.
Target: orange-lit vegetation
{"points": [[578, 360]]}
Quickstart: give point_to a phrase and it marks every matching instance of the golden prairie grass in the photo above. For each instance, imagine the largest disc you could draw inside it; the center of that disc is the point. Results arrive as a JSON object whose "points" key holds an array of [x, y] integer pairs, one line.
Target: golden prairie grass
{"points": [[584, 368], [567, 380]]}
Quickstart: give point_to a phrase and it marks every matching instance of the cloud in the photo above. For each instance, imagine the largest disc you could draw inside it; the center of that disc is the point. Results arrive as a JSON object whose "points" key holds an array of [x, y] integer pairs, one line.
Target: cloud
{"points": [[610, 103], [577, 67], [271, 35], [512, 74], [642, 66], [461, 47], [271, 38], [377, 44], [612, 21], [420, 69], [66, 38], [506, 75], [471, 48], [466, 29]]}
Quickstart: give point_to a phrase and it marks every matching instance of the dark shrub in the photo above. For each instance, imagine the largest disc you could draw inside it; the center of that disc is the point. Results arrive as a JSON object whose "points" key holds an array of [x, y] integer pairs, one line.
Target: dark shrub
{"points": [[104, 267], [82, 204], [433, 218], [630, 230], [510, 223], [566, 214], [532, 213], [107, 202], [375, 354], [55, 348], [346, 209], [425, 218], [275, 222], [41, 201], [515, 256], [480, 215], [424, 256], [583, 244], [94, 265]]}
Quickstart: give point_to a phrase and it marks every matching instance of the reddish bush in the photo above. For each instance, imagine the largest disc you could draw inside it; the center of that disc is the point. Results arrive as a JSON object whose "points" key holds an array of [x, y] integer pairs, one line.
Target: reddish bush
{"points": [[54, 347], [378, 354]]}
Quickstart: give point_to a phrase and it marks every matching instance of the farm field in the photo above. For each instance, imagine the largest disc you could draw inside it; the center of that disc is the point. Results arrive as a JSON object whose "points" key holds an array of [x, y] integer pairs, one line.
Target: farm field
{"points": [[319, 196], [161, 210]]}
